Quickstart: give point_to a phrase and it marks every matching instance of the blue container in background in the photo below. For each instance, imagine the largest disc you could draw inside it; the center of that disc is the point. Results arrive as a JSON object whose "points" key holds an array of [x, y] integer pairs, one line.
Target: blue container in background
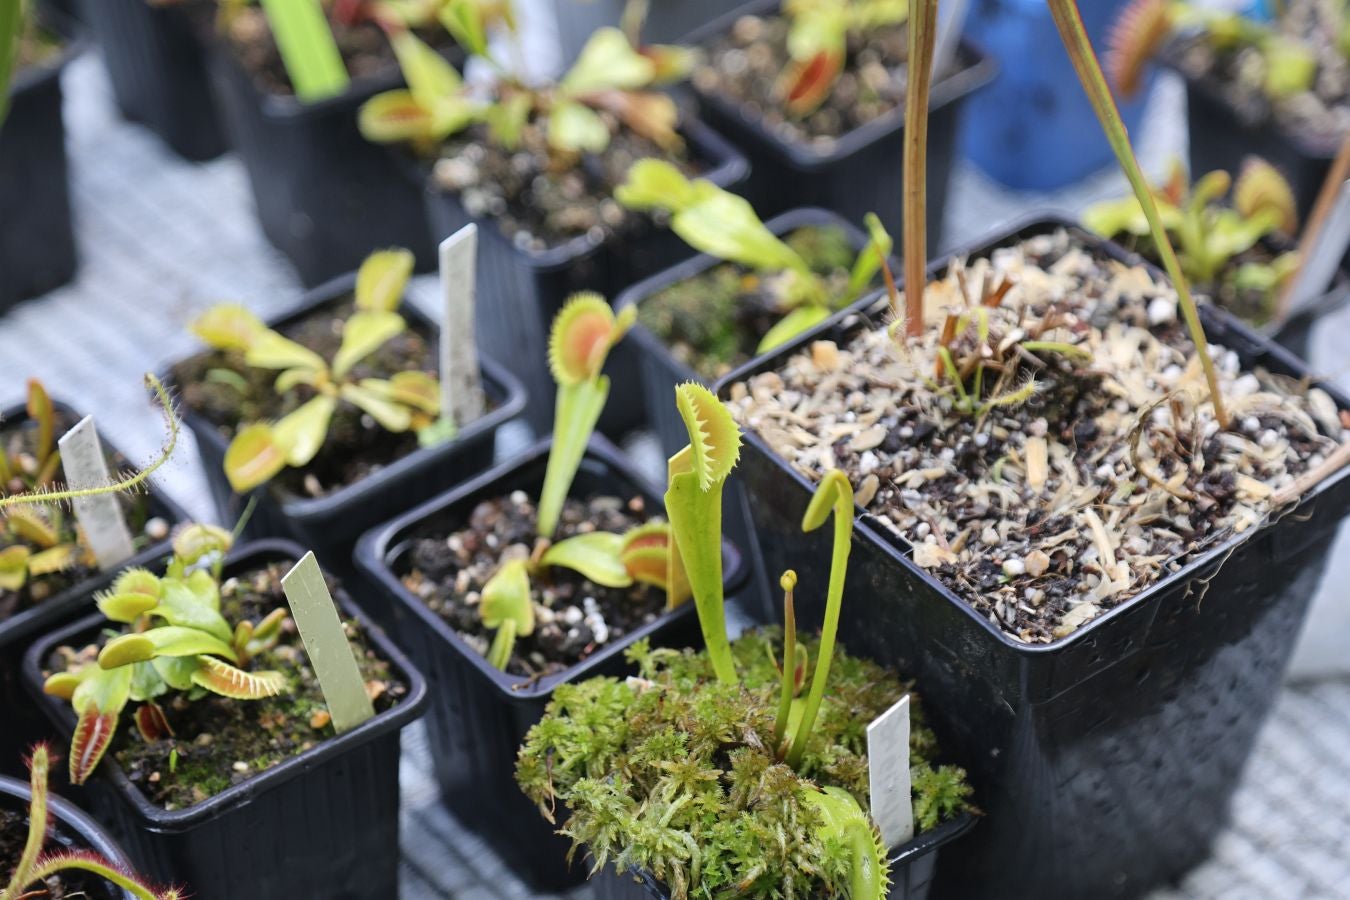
{"points": [[1033, 128]]}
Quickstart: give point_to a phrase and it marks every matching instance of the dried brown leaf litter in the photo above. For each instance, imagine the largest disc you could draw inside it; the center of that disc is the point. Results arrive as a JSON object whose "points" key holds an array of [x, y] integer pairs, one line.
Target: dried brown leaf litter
{"points": [[1077, 462]]}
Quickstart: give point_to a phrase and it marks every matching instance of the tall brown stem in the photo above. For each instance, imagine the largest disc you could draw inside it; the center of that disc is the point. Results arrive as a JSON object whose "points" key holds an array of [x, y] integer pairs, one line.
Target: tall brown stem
{"points": [[922, 35]]}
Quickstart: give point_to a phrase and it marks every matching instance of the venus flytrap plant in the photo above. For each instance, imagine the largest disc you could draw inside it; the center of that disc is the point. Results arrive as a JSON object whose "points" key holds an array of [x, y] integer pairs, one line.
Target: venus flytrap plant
{"points": [[818, 44], [179, 642], [923, 22], [407, 401], [34, 866], [721, 224]]}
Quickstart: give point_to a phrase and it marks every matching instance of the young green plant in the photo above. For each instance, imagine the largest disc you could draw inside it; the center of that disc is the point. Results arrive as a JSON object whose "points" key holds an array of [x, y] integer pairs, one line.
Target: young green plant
{"points": [[308, 49], [1210, 232], [721, 224], [406, 401], [12, 18], [178, 642], [34, 866], [583, 333], [818, 44], [610, 76], [923, 21]]}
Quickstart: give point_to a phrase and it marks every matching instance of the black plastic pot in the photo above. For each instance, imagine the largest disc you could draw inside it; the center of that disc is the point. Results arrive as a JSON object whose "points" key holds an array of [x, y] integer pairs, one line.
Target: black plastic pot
{"points": [[330, 525], [23, 723], [862, 171], [519, 292], [480, 715], [156, 64], [321, 824], [1106, 758], [326, 197], [37, 242], [912, 868], [70, 830]]}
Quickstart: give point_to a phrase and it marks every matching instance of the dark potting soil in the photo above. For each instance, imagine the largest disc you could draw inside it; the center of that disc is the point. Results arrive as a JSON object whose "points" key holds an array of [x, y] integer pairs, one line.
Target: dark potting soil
{"points": [[18, 444], [745, 66], [574, 618], [541, 198], [67, 885], [1322, 114], [221, 388], [364, 46], [1086, 474], [714, 322], [218, 742]]}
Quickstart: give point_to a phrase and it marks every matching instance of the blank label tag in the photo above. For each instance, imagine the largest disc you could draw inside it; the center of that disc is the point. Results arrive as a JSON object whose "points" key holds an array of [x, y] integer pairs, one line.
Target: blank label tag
{"points": [[330, 653], [888, 774], [461, 388], [1324, 258], [105, 529]]}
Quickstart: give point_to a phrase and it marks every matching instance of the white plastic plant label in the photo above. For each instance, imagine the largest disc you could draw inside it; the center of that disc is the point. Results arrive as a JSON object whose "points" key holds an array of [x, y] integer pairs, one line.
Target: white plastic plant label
{"points": [[100, 517], [461, 387], [888, 774], [330, 653], [1317, 272]]}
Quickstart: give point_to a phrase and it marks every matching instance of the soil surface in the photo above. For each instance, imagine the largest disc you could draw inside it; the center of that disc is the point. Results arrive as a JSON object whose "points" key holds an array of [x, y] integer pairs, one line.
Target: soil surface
{"points": [[1080, 476], [714, 321], [18, 443], [364, 47], [745, 64], [65, 886], [574, 618], [1321, 114], [538, 197], [218, 742], [221, 388]]}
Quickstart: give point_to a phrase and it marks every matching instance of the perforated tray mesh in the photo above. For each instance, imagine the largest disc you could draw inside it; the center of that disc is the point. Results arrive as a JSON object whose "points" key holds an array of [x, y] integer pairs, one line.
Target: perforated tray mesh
{"points": [[161, 240]]}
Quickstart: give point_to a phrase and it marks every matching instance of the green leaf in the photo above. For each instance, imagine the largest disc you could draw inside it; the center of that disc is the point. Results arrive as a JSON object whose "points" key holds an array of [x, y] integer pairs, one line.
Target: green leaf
{"points": [[608, 62], [655, 184], [371, 400], [183, 607], [270, 350], [430, 76], [300, 434], [13, 567], [506, 597], [464, 20], [176, 671], [365, 332], [1112, 217], [506, 119], [696, 526], [293, 378], [577, 412], [575, 128], [596, 555], [868, 262], [1290, 67], [104, 690], [253, 458], [126, 608], [308, 48], [382, 278], [42, 412], [726, 226], [794, 323], [146, 683], [11, 26], [228, 326], [167, 640]]}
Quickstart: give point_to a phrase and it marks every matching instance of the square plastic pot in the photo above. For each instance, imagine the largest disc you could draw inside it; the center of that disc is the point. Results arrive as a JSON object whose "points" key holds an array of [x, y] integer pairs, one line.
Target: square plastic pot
{"points": [[479, 715], [330, 525], [912, 869], [1109, 756], [321, 824], [862, 172], [519, 292], [326, 197], [69, 830], [155, 61], [37, 241], [23, 723], [667, 20]]}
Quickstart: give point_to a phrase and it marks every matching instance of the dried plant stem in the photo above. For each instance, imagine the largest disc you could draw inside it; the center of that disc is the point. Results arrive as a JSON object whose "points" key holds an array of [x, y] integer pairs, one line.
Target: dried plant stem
{"points": [[1089, 70], [922, 34], [1339, 459]]}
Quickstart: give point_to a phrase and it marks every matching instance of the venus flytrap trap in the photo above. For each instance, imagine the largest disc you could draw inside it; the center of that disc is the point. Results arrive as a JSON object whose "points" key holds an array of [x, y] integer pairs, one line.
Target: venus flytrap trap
{"points": [[34, 867], [818, 44], [406, 401], [719, 223]]}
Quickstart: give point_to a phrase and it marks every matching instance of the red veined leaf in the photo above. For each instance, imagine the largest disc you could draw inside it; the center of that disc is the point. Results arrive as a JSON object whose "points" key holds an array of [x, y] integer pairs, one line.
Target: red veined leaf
{"points": [[93, 733], [807, 84], [152, 723]]}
